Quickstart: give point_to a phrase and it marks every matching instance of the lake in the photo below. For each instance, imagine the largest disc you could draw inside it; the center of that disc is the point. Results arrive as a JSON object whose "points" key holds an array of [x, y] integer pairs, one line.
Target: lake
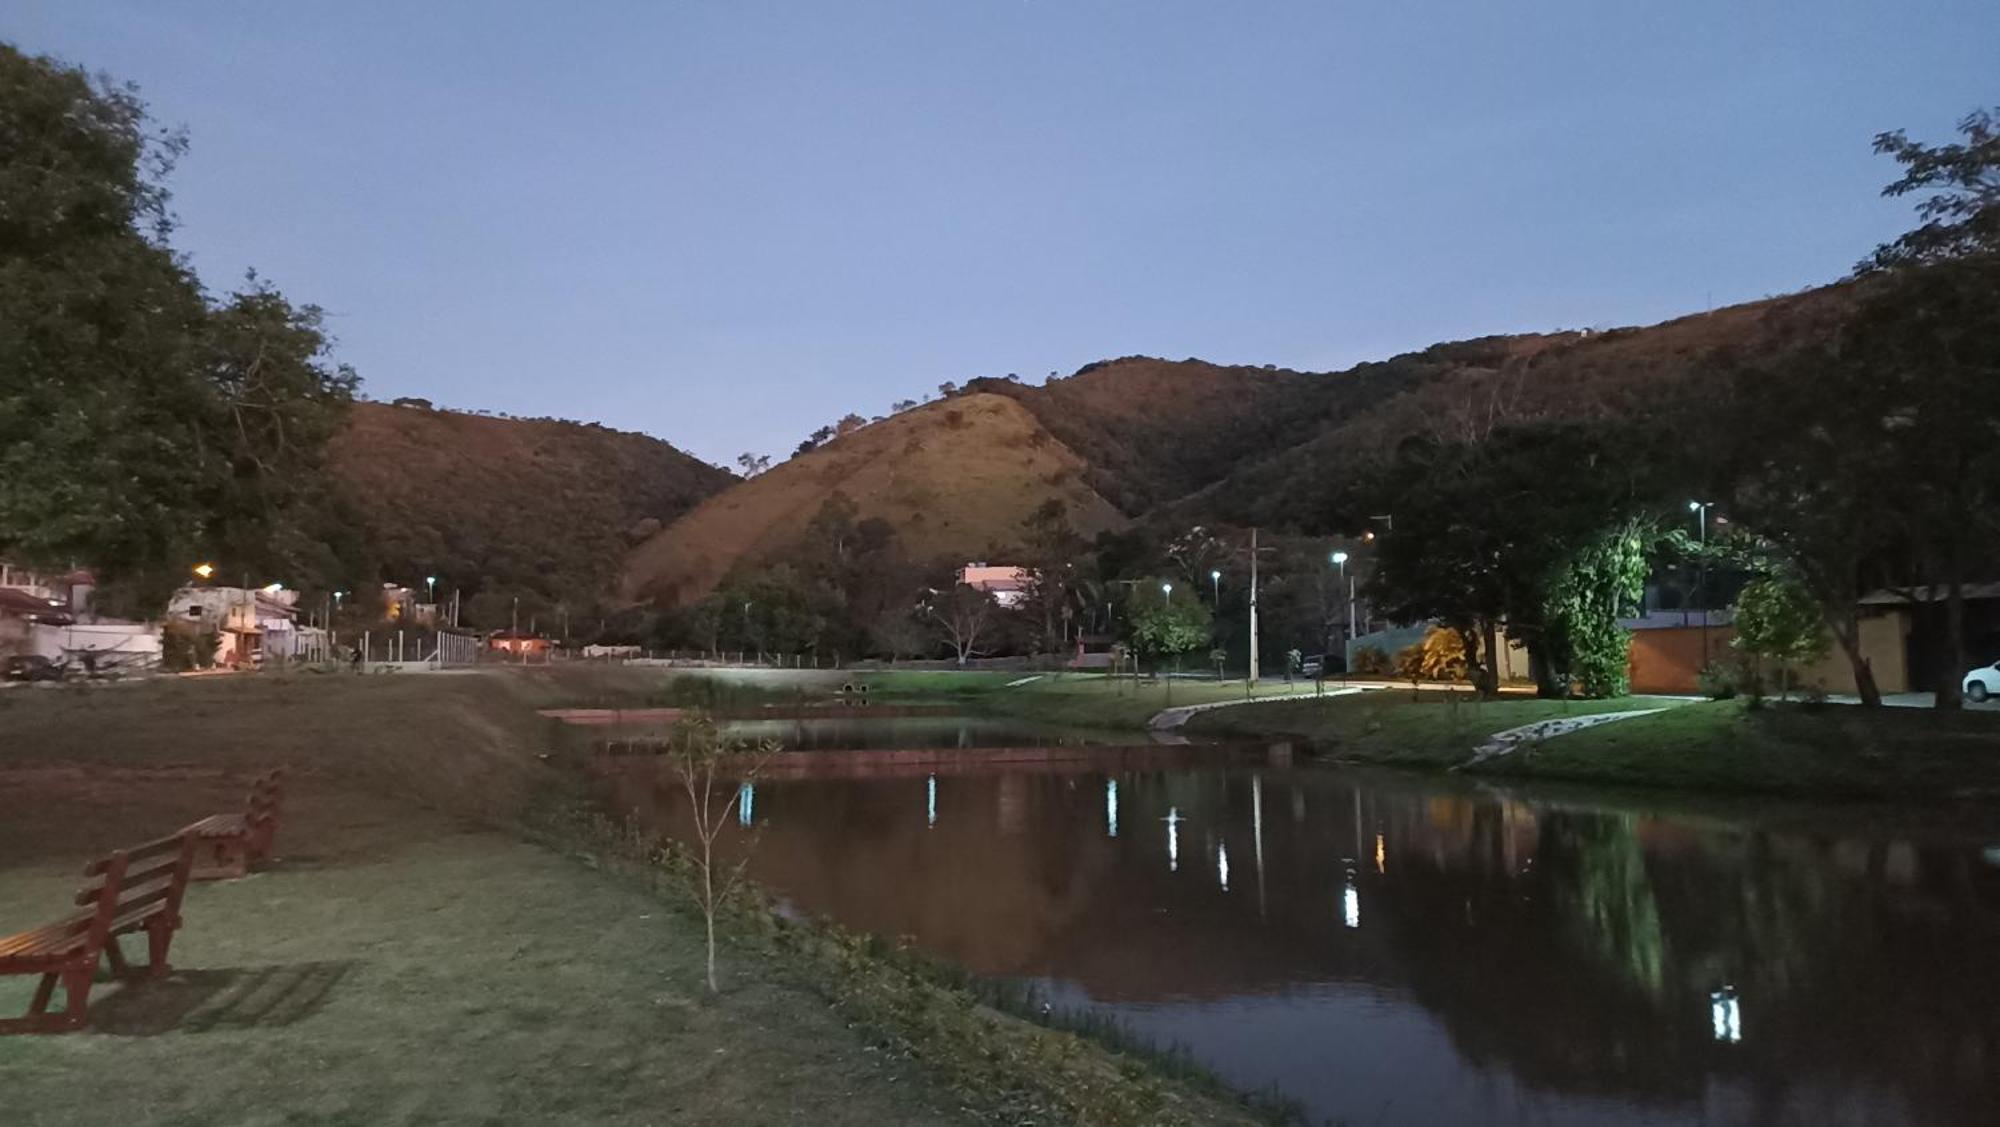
{"points": [[1401, 949]]}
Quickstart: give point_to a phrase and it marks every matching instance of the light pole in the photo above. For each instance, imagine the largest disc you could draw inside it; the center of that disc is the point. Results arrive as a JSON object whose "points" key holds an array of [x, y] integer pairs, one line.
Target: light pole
{"points": [[431, 589], [1700, 510], [1167, 598], [1215, 581], [1339, 560]]}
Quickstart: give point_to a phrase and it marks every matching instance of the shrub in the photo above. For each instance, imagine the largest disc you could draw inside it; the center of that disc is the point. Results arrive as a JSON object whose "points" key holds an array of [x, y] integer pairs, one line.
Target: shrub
{"points": [[1372, 661]]}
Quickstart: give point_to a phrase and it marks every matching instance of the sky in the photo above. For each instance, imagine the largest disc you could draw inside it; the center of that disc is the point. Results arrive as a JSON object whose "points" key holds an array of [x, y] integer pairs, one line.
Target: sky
{"points": [[728, 223]]}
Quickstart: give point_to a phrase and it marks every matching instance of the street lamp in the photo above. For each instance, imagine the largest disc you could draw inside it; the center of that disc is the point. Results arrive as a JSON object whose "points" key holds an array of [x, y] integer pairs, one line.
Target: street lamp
{"points": [[204, 570], [430, 588], [1340, 559], [1700, 510], [1167, 590], [1215, 581]]}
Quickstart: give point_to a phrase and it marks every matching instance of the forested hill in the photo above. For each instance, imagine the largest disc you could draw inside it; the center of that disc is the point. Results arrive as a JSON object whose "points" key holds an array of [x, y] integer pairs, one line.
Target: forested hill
{"points": [[541, 508], [1180, 443], [1652, 377]]}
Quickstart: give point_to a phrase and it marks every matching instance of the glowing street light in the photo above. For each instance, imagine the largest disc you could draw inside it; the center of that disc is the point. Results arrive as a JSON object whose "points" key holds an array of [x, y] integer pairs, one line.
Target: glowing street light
{"points": [[1215, 580], [430, 588], [1340, 560], [1167, 590], [205, 570]]}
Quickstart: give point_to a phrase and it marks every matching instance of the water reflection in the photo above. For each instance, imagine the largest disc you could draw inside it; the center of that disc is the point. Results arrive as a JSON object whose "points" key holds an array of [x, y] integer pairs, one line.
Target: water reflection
{"points": [[1526, 959]]}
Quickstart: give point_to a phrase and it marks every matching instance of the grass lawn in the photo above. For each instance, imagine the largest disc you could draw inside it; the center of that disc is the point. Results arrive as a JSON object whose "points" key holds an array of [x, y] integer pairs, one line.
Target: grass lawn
{"points": [[1432, 729], [411, 957], [1830, 749]]}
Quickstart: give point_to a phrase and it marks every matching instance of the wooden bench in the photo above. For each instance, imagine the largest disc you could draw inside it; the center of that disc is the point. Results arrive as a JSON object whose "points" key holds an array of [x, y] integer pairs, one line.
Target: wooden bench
{"points": [[132, 890], [226, 845]]}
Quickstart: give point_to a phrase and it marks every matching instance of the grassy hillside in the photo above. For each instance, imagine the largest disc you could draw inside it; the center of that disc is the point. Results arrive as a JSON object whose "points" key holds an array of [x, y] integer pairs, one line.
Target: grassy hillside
{"points": [[954, 478], [1153, 430], [541, 508]]}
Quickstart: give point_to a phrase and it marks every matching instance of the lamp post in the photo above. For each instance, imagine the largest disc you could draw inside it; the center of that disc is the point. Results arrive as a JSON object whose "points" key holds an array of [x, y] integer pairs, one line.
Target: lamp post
{"points": [[1215, 581], [430, 589], [1700, 510], [1167, 598]]}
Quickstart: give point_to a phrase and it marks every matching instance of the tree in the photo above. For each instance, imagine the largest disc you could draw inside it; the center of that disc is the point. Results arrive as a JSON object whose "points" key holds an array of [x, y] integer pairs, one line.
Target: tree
{"points": [[753, 464], [964, 615], [141, 428], [1877, 467], [1778, 620], [714, 773], [1601, 582], [1526, 527], [1168, 624]]}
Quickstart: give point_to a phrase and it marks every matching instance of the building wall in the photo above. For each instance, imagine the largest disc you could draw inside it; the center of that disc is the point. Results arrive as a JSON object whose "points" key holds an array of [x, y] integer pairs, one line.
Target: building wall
{"points": [[1669, 659]]}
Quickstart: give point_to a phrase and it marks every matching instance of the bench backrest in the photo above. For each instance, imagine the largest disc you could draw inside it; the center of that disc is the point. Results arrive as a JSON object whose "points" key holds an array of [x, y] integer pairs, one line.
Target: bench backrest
{"points": [[140, 881], [266, 796]]}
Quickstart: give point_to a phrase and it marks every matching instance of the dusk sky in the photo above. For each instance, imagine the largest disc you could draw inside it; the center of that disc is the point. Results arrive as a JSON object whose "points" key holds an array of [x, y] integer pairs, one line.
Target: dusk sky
{"points": [[728, 223]]}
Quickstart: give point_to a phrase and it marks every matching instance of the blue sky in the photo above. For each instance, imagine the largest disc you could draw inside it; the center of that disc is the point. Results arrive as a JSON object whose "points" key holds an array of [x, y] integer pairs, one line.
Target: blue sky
{"points": [[728, 223]]}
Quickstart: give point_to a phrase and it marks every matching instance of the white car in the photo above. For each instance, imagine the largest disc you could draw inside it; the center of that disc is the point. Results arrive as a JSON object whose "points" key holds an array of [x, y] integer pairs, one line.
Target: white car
{"points": [[1982, 682]]}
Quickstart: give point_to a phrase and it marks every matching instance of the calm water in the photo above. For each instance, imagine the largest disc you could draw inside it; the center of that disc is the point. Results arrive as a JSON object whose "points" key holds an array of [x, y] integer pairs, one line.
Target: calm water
{"points": [[1397, 949]]}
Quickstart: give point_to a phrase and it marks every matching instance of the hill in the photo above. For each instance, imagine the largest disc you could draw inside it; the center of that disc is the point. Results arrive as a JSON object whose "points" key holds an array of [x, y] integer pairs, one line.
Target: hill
{"points": [[1650, 375], [498, 507], [1177, 443], [952, 478], [1153, 430]]}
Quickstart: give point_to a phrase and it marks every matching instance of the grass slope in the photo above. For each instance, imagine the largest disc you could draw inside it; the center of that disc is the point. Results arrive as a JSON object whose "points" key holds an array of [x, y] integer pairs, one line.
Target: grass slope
{"points": [[532, 504], [410, 958], [954, 478]]}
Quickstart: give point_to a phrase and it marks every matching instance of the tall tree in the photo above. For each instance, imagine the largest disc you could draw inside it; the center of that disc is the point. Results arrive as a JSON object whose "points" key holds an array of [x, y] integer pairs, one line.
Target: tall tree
{"points": [[1866, 456], [139, 427]]}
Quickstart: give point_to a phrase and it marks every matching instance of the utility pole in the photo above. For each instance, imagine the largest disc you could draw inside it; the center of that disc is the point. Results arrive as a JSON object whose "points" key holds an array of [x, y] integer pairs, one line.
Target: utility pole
{"points": [[1254, 549]]}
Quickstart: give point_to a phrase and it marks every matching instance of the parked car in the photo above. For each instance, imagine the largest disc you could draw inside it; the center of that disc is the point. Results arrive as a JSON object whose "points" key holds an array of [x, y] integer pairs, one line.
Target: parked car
{"points": [[1982, 682], [30, 667]]}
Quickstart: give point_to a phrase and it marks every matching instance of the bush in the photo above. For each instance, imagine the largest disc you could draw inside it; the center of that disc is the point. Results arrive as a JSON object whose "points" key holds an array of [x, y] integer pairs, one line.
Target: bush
{"points": [[1727, 678], [1371, 661]]}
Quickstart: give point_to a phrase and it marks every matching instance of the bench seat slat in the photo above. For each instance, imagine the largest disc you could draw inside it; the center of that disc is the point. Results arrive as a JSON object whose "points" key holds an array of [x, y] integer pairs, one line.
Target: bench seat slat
{"points": [[43, 942], [220, 825]]}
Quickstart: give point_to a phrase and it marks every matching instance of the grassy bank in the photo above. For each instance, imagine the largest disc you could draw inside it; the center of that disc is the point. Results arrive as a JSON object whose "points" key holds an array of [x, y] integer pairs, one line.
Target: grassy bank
{"points": [[1723, 746], [1707, 745], [1432, 729], [412, 957]]}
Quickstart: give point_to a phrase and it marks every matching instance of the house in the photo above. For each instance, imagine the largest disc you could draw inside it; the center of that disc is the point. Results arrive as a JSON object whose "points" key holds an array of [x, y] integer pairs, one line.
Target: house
{"points": [[21, 612], [52, 615], [252, 622], [1009, 586]]}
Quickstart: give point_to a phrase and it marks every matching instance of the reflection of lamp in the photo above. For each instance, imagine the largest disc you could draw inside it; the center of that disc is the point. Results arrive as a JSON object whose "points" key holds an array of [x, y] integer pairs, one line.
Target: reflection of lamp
{"points": [[746, 804], [1111, 807], [1350, 903], [930, 801], [1381, 855], [1173, 820], [1725, 1014], [1222, 865]]}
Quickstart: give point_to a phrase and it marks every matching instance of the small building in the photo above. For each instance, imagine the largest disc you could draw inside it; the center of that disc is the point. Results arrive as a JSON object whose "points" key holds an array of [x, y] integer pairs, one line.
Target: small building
{"points": [[1670, 649], [1009, 586], [516, 644]]}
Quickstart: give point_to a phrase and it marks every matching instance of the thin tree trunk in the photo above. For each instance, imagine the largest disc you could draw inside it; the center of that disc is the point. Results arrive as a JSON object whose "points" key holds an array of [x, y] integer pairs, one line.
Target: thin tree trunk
{"points": [[1949, 698], [1847, 633], [1489, 673]]}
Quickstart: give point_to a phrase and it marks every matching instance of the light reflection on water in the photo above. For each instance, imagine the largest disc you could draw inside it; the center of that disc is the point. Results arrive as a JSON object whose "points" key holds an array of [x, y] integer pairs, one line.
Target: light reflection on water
{"points": [[1420, 951]]}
